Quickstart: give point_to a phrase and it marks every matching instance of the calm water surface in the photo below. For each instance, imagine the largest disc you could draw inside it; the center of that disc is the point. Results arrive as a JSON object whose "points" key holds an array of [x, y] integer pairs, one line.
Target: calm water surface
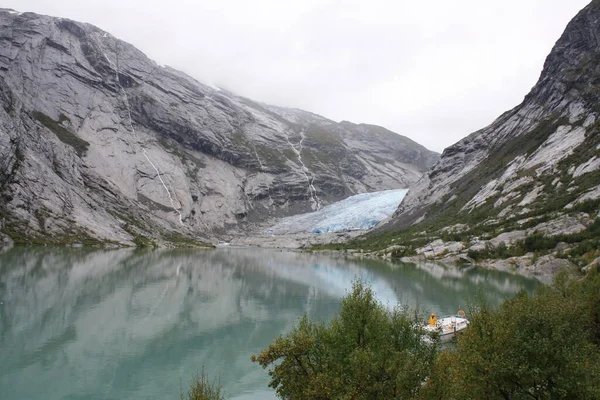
{"points": [[125, 324]]}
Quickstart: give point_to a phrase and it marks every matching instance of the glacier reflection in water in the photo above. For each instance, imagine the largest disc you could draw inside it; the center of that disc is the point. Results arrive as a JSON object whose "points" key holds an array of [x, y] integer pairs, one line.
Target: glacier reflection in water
{"points": [[123, 324]]}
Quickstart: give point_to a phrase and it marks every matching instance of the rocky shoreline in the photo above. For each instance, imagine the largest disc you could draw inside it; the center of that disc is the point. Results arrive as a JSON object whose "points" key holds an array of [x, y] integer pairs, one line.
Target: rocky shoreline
{"points": [[490, 251], [436, 250], [5, 242], [543, 268]]}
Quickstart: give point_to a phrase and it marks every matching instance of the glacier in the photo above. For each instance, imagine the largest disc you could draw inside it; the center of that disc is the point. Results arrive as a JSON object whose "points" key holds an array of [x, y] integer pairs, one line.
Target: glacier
{"points": [[358, 212]]}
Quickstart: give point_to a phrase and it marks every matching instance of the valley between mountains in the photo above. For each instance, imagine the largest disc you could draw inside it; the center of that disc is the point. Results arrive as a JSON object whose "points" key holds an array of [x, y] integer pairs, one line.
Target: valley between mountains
{"points": [[524, 191], [100, 145]]}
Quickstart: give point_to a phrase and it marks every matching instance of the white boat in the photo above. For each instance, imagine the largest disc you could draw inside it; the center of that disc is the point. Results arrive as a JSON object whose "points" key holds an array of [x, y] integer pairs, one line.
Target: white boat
{"points": [[446, 327]]}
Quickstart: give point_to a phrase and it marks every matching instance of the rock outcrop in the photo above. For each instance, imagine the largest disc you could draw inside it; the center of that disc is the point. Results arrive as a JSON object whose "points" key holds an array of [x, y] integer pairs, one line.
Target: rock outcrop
{"points": [[524, 191], [538, 158], [99, 143]]}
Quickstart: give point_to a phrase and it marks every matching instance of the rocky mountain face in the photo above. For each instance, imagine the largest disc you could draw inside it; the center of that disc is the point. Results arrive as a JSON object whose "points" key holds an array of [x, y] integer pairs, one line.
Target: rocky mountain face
{"points": [[98, 142], [544, 151], [537, 164]]}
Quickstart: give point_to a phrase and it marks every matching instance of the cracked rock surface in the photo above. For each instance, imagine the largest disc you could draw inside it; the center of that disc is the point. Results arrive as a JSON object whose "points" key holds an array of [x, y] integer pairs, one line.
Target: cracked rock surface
{"points": [[98, 142], [542, 153]]}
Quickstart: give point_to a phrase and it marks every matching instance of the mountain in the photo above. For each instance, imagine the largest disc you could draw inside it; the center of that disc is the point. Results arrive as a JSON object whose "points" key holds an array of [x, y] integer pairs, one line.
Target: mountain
{"points": [[537, 164], [99, 143]]}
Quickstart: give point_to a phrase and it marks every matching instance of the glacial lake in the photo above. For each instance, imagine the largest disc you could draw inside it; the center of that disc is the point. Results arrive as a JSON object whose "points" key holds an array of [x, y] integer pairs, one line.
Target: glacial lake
{"points": [[127, 324]]}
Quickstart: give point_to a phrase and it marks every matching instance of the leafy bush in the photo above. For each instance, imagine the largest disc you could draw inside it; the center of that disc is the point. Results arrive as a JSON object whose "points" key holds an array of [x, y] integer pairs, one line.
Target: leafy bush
{"points": [[532, 347], [202, 389], [365, 352], [544, 346]]}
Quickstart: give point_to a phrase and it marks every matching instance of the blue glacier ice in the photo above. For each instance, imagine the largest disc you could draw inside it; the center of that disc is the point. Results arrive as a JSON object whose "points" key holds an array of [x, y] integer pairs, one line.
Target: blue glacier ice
{"points": [[358, 212]]}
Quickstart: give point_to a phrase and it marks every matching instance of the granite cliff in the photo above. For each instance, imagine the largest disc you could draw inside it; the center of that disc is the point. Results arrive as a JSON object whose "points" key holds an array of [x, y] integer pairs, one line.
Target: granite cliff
{"points": [[534, 172], [99, 143]]}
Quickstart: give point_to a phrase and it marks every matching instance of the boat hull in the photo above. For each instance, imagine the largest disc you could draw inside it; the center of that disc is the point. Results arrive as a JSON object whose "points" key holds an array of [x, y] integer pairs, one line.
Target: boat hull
{"points": [[447, 327]]}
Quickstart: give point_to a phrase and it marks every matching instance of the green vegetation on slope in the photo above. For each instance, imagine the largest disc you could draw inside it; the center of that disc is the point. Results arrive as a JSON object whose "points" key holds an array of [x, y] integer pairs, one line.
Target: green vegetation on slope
{"points": [[559, 191], [584, 246], [179, 240], [450, 212], [65, 136], [70, 233]]}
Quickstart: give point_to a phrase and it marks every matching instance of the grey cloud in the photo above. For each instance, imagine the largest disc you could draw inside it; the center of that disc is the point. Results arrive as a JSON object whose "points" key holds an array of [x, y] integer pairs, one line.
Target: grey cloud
{"points": [[434, 71]]}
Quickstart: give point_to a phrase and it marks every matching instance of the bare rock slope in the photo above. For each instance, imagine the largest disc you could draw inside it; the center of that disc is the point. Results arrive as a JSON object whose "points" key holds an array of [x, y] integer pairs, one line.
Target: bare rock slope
{"points": [[541, 157], [98, 142], [523, 192]]}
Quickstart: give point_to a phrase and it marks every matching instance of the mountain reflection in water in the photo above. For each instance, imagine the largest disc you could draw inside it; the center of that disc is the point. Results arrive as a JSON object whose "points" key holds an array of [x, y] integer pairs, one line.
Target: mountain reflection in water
{"points": [[125, 324]]}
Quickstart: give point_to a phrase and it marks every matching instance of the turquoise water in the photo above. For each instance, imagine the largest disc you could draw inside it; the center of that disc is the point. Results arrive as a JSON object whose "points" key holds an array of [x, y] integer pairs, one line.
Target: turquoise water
{"points": [[125, 324]]}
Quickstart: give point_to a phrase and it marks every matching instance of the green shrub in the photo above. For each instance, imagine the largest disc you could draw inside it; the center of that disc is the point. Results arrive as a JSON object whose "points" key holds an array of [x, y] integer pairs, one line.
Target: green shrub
{"points": [[201, 388], [541, 346], [365, 352], [532, 347]]}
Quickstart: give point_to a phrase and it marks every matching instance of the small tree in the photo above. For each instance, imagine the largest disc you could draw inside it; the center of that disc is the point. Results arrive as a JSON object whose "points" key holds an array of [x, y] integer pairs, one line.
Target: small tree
{"points": [[366, 352], [202, 389]]}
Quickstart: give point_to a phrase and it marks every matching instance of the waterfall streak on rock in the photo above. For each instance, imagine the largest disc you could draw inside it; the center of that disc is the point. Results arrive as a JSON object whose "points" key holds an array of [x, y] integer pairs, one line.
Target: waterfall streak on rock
{"points": [[115, 67], [316, 202], [262, 169]]}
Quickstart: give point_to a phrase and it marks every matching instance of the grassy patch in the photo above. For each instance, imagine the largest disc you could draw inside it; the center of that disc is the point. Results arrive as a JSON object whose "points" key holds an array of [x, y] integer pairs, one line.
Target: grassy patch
{"points": [[184, 241], [321, 137], [269, 156], [483, 220], [63, 134], [134, 226], [315, 159], [584, 248], [70, 234], [138, 239]]}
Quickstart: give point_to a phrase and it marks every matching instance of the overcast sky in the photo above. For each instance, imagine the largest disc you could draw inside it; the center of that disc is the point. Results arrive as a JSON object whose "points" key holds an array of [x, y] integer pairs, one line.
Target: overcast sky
{"points": [[434, 70]]}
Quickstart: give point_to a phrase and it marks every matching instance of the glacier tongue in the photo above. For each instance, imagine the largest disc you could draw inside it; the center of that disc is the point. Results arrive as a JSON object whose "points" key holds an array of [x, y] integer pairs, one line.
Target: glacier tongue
{"points": [[359, 212]]}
